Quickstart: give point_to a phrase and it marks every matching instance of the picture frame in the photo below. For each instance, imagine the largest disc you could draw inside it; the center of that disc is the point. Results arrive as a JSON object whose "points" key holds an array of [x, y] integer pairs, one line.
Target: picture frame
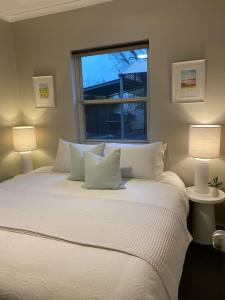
{"points": [[188, 81], [43, 91]]}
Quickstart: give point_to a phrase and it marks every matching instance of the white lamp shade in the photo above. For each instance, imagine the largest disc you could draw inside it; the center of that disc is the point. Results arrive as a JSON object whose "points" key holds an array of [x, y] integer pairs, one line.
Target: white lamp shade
{"points": [[24, 138], [204, 141]]}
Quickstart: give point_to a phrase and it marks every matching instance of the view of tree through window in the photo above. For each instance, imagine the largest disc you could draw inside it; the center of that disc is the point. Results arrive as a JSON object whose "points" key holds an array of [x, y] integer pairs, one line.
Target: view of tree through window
{"points": [[114, 94]]}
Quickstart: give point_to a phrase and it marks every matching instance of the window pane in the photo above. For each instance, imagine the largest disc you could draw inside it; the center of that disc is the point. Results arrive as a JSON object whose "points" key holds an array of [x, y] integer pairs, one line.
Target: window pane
{"points": [[135, 121], [126, 121], [121, 74]]}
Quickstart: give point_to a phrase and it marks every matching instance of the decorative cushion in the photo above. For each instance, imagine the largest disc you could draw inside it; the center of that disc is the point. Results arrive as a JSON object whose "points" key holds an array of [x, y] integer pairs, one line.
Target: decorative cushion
{"points": [[140, 161], [77, 152], [102, 172]]}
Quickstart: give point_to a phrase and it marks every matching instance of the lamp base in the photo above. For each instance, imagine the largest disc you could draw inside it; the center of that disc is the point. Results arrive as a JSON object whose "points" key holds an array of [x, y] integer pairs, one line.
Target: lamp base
{"points": [[202, 176], [26, 162]]}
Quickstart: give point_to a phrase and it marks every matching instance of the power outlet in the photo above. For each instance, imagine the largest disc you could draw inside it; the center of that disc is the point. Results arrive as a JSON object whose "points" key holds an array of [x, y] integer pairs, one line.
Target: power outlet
{"points": [[220, 227]]}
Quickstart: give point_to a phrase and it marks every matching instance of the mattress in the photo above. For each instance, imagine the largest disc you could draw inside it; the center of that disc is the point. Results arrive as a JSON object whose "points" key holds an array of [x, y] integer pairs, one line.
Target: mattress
{"points": [[33, 267]]}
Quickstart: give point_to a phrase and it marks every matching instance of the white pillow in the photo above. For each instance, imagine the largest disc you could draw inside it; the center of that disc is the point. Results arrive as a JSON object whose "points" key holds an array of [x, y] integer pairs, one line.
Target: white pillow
{"points": [[63, 161], [139, 161], [63, 158]]}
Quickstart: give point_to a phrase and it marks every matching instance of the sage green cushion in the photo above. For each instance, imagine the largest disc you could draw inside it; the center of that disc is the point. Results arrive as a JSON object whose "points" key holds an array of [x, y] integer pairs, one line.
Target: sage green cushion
{"points": [[77, 152], [102, 172]]}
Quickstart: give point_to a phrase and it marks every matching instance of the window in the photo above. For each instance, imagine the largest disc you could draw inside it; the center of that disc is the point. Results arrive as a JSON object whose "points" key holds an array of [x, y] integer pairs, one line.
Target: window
{"points": [[112, 89]]}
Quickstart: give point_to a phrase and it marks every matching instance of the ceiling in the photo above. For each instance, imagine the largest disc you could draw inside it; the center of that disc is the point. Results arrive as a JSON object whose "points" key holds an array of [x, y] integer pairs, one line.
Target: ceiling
{"points": [[15, 10]]}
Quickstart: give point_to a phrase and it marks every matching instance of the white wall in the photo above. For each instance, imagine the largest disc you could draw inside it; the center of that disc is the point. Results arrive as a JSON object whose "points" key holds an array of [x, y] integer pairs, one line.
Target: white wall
{"points": [[9, 102]]}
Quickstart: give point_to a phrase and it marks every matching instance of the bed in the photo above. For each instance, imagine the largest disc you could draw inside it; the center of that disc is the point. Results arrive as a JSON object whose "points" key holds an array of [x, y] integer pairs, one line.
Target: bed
{"points": [[106, 244]]}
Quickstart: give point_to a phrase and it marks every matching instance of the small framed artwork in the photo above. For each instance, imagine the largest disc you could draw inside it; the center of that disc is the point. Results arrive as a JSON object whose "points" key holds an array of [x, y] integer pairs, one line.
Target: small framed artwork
{"points": [[44, 91], [188, 81]]}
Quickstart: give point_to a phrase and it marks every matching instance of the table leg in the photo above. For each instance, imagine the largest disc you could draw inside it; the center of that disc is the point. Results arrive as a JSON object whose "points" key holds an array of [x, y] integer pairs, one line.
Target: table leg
{"points": [[203, 223]]}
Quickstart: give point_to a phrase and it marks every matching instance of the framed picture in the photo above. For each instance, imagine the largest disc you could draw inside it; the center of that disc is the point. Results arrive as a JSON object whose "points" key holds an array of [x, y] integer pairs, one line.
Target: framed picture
{"points": [[189, 81], [44, 92]]}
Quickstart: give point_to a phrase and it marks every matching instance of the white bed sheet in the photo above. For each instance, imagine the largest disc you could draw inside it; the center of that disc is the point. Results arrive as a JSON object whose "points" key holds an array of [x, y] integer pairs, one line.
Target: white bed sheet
{"points": [[143, 190], [36, 268]]}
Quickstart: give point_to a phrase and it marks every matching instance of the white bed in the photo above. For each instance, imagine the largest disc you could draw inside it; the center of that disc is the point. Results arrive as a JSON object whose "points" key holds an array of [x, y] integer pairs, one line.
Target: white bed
{"points": [[40, 268]]}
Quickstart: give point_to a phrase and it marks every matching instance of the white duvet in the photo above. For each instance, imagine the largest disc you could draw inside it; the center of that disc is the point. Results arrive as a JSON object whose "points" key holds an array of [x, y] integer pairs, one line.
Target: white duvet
{"points": [[35, 268]]}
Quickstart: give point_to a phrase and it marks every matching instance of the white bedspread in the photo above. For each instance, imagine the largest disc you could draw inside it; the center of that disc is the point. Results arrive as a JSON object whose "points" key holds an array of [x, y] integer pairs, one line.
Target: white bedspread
{"points": [[57, 270]]}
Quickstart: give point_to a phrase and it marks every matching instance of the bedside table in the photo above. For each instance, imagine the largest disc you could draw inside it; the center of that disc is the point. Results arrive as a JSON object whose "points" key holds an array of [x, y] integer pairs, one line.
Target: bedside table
{"points": [[203, 218]]}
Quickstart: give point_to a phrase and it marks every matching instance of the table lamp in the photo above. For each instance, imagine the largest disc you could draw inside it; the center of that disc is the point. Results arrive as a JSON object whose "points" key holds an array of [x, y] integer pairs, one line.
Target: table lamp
{"points": [[204, 144], [24, 140]]}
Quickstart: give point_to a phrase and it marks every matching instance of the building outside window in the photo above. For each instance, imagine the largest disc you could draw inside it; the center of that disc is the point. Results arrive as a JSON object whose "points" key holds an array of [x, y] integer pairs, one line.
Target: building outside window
{"points": [[112, 93]]}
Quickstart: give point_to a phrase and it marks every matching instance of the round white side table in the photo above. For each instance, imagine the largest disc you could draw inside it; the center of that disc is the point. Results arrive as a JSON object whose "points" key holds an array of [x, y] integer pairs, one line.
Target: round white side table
{"points": [[203, 218]]}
